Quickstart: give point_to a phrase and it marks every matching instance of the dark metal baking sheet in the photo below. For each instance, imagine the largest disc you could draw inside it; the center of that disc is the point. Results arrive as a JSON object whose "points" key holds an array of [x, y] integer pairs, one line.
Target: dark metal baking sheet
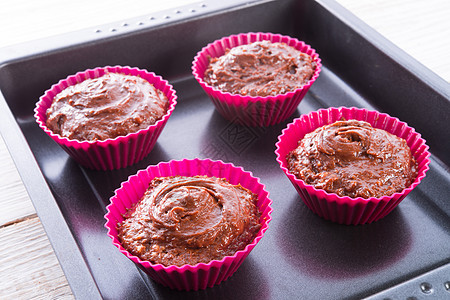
{"points": [[301, 256]]}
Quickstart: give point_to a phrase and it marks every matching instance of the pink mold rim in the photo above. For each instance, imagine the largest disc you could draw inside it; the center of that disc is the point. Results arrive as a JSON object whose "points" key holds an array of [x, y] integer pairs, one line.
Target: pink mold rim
{"points": [[108, 154], [253, 111], [201, 275], [346, 210]]}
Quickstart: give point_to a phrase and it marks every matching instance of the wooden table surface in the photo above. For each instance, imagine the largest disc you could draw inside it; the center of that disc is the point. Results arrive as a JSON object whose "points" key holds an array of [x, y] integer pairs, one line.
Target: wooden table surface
{"points": [[29, 268]]}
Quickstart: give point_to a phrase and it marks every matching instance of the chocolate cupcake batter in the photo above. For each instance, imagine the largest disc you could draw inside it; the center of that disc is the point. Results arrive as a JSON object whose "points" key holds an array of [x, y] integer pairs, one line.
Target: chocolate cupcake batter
{"points": [[188, 220], [106, 107], [350, 158], [260, 69]]}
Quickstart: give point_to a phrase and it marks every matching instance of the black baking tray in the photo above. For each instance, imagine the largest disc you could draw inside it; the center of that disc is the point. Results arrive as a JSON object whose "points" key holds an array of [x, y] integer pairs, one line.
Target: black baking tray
{"points": [[302, 256]]}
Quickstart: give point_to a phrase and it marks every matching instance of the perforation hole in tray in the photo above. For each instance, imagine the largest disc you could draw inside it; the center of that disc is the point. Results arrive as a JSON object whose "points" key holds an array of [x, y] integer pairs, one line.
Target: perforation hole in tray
{"points": [[426, 288], [167, 16]]}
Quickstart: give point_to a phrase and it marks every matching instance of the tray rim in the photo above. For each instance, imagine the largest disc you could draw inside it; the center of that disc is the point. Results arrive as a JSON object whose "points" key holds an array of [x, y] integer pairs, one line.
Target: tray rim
{"points": [[388, 48], [83, 284]]}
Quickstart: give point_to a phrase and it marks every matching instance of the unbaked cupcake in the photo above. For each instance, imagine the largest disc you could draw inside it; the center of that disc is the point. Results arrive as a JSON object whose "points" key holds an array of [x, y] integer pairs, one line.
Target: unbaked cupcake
{"points": [[186, 220], [107, 118], [350, 165], [178, 221], [351, 158], [256, 79]]}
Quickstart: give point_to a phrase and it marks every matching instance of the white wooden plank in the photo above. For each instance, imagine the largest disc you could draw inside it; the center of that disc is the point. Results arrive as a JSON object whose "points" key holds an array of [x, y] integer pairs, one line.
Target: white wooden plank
{"points": [[29, 268], [14, 199]]}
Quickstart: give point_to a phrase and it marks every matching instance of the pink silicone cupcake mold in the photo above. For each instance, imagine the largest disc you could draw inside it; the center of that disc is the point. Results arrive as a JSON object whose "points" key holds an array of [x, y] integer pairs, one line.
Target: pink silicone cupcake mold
{"points": [[249, 110], [346, 210], [202, 275], [114, 153]]}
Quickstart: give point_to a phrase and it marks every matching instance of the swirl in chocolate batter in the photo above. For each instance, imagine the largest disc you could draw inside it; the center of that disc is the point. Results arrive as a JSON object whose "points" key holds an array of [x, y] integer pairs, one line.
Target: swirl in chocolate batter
{"points": [[260, 69], [351, 158], [188, 220], [106, 107]]}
